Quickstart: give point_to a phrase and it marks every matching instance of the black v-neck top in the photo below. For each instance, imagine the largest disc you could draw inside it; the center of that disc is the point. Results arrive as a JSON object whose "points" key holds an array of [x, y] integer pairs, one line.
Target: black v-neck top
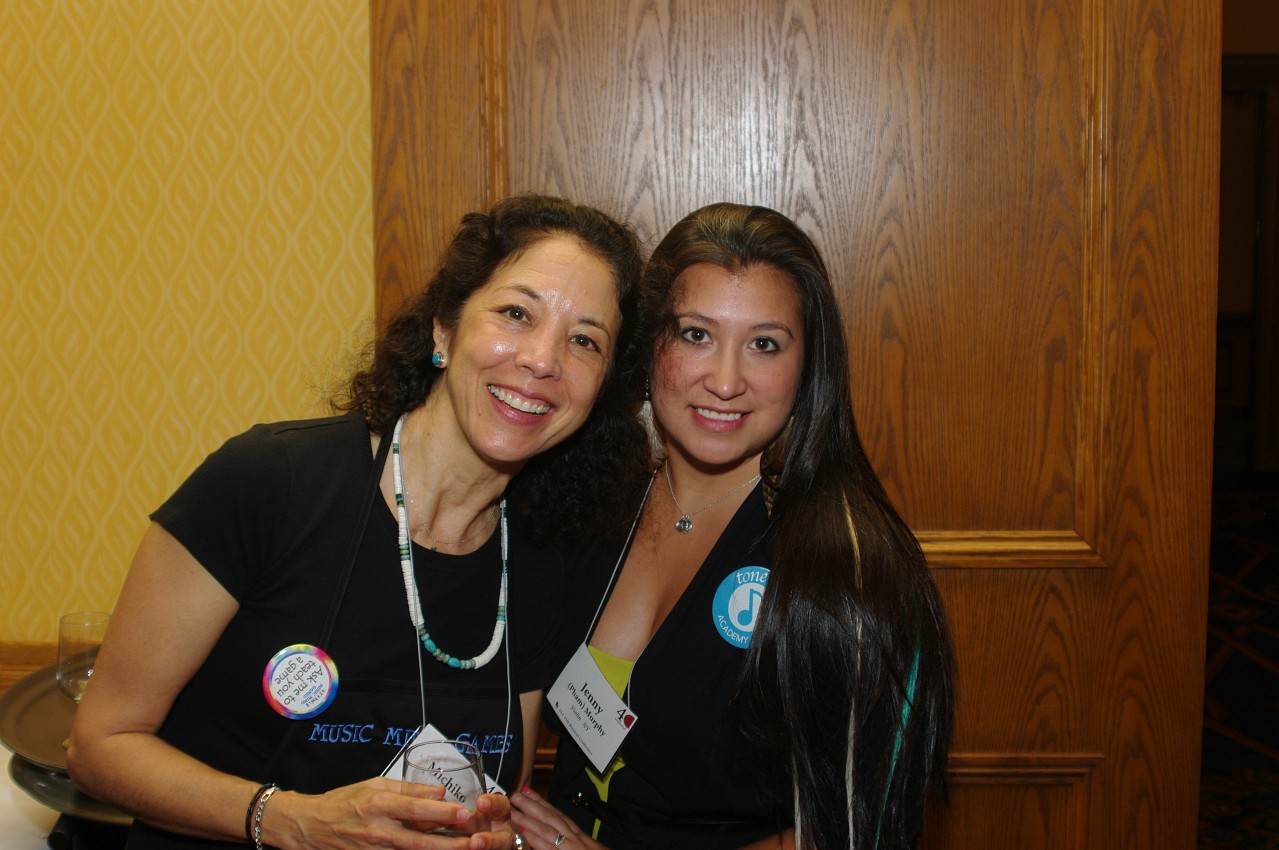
{"points": [[688, 781]]}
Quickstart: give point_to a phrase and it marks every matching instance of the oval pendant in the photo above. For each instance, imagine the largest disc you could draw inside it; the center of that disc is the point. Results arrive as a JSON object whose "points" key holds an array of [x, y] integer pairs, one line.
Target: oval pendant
{"points": [[684, 526]]}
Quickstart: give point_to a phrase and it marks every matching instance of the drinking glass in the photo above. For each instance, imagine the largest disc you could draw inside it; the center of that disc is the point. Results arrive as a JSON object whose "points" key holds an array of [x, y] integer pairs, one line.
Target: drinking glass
{"points": [[79, 636], [455, 765]]}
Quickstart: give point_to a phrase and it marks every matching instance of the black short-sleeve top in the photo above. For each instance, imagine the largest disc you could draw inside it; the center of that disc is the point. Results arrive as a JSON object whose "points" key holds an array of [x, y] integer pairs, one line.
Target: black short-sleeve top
{"points": [[288, 519]]}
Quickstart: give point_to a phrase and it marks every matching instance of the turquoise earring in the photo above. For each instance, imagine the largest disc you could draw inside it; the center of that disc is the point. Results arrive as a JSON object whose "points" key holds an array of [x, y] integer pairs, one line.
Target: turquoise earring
{"points": [[437, 360]]}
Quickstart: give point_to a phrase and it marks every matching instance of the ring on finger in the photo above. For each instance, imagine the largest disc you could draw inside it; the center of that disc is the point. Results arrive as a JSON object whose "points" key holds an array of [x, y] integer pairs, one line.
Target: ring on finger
{"points": [[559, 839]]}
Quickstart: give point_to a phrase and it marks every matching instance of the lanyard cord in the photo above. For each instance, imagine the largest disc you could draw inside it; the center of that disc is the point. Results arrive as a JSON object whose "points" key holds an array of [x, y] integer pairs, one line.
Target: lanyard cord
{"points": [[501, 634], [608, 590], [408, 568], [506, 729], [621, 557]]}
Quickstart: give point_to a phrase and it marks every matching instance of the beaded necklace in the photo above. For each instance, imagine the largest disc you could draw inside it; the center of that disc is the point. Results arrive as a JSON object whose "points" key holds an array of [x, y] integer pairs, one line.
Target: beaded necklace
{"points": [[410, 582]]}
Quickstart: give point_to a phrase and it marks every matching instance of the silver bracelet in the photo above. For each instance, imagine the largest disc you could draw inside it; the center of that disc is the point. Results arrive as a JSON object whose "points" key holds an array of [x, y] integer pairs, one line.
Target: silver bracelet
{"points": [[267, 791], [248, 813]]}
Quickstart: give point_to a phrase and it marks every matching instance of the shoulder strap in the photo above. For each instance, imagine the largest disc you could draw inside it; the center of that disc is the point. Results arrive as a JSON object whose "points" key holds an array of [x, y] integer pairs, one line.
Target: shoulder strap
{"points": [[371, 491]]}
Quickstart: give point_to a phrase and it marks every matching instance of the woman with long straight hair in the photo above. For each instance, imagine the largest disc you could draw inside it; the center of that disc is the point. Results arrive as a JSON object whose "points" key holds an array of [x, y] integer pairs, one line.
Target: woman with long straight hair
{"points": [[776, 644]]}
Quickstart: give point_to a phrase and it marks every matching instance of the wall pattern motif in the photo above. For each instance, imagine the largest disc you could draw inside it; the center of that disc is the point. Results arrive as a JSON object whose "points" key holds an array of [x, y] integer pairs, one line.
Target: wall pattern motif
{"points": [[186, 248]]}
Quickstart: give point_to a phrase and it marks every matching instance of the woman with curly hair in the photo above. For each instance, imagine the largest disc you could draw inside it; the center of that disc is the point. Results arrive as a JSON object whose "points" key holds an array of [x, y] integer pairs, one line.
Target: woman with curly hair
{"points": [[318, 591], [775, 642]]}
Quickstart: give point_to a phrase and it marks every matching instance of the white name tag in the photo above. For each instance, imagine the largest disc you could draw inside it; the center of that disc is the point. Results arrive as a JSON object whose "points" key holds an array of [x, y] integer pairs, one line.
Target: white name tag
{"points": [[430, 732], [594, 716]]}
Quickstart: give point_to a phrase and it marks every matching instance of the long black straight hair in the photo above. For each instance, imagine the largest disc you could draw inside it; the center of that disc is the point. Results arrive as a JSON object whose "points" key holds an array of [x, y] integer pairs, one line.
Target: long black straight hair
{"points": [[847, 690]]}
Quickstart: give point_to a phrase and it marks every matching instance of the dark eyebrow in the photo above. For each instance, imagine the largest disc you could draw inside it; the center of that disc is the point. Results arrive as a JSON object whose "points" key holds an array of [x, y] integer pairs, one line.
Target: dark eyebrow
{"points": [[774, 326], [696, 317], [594, 323], [527, 290], [762, 326]]}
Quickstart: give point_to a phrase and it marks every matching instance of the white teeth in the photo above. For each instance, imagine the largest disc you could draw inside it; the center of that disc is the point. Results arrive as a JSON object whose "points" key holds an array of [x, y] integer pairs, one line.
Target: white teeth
{"points": [[518, 403], [722, 417]]}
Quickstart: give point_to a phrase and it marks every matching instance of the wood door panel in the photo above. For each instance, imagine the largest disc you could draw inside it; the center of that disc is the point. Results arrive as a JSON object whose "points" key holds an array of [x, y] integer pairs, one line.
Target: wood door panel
{"points": [[1017, 203], [1159, 267], [1026, 659], [436, 137], [862, 145], [1042, 802], [965, 434], [662, 107]]}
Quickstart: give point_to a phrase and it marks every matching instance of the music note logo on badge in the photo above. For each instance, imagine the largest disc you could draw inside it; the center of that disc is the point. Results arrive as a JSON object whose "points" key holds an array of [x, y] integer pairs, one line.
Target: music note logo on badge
{"points": [[736, 606]]}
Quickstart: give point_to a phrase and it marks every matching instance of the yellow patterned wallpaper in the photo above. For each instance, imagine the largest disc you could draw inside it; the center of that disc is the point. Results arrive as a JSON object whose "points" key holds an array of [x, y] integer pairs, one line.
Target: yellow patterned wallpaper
{"points": [[186, 248]]}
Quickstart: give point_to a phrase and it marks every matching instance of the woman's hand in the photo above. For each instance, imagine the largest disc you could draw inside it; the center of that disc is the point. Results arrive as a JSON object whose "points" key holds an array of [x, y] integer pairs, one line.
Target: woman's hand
{"points": [[544, 827], [375, 813]]}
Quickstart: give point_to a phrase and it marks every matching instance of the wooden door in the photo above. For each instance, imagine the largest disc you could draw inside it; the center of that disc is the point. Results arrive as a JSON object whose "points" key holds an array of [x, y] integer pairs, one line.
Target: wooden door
{"points": [[1017, 199]]}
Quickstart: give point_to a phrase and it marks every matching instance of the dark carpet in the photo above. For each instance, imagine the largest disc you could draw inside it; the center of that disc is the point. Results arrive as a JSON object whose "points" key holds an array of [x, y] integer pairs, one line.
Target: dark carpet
{"points": [[1239, 787]]}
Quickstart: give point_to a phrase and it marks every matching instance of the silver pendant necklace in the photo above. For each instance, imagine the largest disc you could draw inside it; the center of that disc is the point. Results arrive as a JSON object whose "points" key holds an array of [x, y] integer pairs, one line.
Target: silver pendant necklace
{"points": [[685, 522]]}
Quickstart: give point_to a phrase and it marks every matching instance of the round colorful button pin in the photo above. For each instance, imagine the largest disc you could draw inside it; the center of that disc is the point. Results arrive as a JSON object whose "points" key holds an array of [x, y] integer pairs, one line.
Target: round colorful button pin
{"points": [[300, 681]]}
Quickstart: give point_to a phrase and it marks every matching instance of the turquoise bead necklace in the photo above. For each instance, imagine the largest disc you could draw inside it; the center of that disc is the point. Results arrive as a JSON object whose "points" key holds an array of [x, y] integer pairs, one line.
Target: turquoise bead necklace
{"points": [[410, 582]]}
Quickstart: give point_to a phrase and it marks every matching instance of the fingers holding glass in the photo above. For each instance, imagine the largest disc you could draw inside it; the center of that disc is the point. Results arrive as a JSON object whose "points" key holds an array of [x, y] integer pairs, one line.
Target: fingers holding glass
{"points": [[455, 766]]}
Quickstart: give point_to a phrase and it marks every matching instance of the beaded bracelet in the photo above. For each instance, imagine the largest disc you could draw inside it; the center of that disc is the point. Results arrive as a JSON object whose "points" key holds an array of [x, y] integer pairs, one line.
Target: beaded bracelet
{"points": [[253, 817]]}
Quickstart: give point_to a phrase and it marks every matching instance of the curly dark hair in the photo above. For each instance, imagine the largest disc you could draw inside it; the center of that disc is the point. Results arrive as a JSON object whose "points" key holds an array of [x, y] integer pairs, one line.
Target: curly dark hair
{"points": [[570, 491]]}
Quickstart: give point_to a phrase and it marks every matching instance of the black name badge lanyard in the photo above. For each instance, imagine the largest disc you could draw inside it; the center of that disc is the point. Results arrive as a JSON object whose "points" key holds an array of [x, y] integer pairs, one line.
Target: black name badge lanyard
{"points": [[371, 491], [595, 717]]}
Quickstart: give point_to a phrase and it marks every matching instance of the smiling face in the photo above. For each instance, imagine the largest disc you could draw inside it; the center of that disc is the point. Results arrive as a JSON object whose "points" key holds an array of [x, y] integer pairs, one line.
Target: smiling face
{"points": [[723, 387], [530, 351]]}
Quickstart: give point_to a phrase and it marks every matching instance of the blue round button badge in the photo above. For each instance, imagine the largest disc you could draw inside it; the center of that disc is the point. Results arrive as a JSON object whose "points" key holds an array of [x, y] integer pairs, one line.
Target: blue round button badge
{"points": [[736, 606]]}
